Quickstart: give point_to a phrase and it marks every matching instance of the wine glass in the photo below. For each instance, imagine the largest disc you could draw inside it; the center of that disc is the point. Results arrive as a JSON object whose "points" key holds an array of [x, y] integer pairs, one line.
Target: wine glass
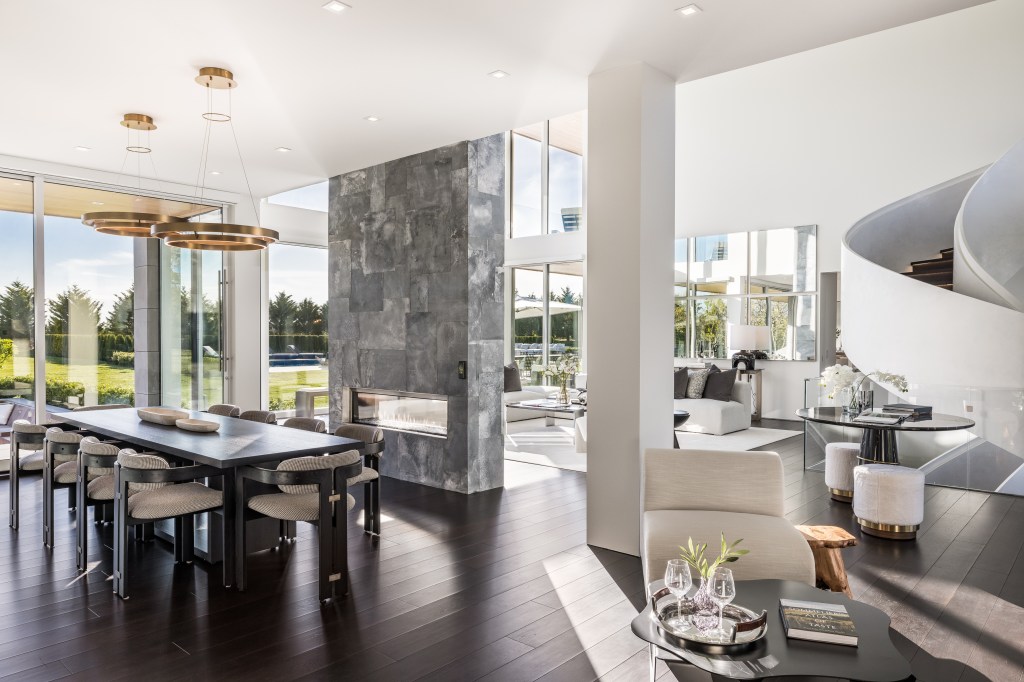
{"points": [[723, 591], [678, 581]]}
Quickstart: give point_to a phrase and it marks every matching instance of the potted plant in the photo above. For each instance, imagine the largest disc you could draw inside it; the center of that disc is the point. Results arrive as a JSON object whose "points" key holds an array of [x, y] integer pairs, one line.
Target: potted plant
{"points": [[696, 557]]}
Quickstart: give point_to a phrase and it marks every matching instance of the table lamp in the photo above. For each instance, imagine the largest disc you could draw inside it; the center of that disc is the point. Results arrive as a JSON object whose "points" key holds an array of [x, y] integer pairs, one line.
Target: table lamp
{"points": [[750, 341]]}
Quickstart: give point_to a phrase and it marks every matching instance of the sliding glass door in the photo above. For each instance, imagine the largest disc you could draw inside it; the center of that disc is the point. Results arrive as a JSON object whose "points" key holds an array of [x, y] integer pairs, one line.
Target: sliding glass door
{"points": [[191, 328]]}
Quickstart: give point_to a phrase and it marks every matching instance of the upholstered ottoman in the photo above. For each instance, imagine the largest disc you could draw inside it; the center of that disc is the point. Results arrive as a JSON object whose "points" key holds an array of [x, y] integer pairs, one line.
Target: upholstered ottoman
{"points": [[888, 500], [840, 459]]}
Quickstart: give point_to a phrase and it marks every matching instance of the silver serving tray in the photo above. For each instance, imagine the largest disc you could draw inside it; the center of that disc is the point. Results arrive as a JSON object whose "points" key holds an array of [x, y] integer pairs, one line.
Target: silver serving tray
{"points": [[744, 628]]}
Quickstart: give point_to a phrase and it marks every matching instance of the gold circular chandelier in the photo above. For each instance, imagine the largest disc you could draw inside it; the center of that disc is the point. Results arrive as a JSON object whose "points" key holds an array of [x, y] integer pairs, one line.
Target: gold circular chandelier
{"points": [[209, 236], [130, 223], [214, 236]]}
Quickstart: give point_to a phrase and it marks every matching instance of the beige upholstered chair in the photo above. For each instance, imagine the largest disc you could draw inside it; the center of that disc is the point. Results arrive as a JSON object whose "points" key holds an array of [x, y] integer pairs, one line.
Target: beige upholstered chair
{"points": [[313, 489], [373, 450], [30, 438], [60, 470], [306, 424], [261, 416], [702, 494], [94, 488], [224, 410], [148, 489]]}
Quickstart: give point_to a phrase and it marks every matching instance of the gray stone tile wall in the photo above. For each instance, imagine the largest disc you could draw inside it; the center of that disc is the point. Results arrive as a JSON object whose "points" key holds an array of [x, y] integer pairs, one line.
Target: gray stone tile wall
{"points": [[147, 322], [415, 247]]}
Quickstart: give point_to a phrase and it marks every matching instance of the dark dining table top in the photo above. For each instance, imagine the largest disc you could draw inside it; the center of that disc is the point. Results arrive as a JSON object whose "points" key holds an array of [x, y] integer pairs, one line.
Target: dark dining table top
{"points": [[835, 415], [238, 441]]}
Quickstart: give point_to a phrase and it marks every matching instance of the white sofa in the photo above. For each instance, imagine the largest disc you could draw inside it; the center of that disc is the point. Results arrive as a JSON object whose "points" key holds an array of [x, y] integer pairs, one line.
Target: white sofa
{"points": [[718, 416], [700, 494]]}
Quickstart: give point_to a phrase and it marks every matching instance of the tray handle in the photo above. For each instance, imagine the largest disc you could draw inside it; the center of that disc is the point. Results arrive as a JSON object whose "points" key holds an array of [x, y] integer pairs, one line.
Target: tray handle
{"points": [[746, 626], [663, 592]]}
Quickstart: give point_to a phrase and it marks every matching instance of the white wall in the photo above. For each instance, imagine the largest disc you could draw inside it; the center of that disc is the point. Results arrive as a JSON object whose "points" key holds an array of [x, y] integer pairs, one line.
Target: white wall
{"points": [[827, 136]]}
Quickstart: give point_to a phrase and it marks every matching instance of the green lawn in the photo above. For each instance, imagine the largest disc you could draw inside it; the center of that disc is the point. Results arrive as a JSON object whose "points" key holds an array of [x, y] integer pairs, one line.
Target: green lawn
{"points": [[282, 384]]}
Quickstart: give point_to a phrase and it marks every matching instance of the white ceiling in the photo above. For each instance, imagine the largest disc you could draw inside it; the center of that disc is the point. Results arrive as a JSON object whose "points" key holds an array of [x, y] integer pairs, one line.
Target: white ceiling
{"points": [[307, 78]]}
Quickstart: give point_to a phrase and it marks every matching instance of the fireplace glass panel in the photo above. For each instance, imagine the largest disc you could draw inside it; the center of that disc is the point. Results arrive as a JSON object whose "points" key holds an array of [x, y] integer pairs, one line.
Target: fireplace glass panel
{"points": [[402, 412]]}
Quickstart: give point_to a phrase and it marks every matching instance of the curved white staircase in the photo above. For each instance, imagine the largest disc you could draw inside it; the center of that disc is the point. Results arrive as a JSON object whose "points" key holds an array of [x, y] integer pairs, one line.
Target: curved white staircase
{"points": [[961, 348]]}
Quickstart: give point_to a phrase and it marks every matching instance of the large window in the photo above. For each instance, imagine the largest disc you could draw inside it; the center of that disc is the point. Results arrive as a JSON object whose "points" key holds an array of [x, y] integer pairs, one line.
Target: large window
{"points": [[17, 323], [548, 310], [298, 323], [762, 278], [547, 176]]}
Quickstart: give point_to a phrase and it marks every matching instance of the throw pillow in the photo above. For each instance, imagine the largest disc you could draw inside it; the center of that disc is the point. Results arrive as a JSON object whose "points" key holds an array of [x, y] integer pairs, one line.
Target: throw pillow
{"points": [[5, 412], [695, 383], [512, 380], [680, 380], [719, 385]]}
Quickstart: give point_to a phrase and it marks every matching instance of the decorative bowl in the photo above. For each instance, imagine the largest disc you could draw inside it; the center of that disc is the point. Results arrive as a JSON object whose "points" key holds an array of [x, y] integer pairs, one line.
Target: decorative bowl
{"points": [[161, 415], [197, 425]]}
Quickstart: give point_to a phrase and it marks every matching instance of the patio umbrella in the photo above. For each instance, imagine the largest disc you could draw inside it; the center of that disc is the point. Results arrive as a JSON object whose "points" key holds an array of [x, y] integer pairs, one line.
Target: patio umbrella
{"points": [[532, 307]]}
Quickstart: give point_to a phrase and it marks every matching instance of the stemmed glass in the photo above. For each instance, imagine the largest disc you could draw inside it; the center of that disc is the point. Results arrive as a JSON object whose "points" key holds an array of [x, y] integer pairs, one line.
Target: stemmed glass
{"points": [[678, 581], [723, 591]]}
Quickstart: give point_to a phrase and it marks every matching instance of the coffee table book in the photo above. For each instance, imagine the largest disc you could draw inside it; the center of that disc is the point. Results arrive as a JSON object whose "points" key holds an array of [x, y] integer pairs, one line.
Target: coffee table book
{"points": [[817, 622]]}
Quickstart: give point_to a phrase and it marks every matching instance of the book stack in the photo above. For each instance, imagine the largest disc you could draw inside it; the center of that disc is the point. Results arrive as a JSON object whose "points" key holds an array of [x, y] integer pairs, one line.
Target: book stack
{"points": [[817, 622], [879, 417], [909, 411]]}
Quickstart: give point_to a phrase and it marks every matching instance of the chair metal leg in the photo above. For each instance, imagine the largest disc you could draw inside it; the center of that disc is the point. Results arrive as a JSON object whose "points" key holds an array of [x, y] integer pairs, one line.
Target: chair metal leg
{"points": [[240, 544], [368, 507], [376, 507], [326, 533], [72, 497], [339, 546], [179, 536], [14, 490], [82, 550], [120, 545], [47, 499], [188, 538]]}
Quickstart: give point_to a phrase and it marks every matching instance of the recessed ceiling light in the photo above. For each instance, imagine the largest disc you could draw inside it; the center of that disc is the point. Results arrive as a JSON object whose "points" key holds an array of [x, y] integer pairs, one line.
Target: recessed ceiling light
{"points": [[214, 172], [372, 119], [336, 7], [80, 148], [689, 10], [498, 74], [97, 203], [283, 150]]}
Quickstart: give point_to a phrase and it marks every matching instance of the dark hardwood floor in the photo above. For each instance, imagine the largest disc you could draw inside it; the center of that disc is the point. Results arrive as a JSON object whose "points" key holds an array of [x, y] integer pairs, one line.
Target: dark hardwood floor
{"points": [[494, 586]]}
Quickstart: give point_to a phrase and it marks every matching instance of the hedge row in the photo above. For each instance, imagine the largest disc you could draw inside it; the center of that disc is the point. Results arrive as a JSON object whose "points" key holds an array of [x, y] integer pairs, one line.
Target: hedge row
{"points": [[58, 391], [107, 343], [304, 343]]}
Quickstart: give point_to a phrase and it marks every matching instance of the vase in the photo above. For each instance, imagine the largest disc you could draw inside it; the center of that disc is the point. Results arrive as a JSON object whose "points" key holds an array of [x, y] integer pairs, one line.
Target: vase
{"points": [[705, 611], [563, 391]]}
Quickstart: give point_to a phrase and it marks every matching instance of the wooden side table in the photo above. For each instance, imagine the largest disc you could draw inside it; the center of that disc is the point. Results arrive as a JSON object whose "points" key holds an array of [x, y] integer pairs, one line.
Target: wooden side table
{"points": [[753, 377], [826, 543]]}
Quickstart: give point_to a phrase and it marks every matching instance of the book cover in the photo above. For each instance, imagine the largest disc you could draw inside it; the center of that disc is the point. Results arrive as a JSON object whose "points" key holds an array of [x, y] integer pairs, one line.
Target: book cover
{"points": [[818, 621]]}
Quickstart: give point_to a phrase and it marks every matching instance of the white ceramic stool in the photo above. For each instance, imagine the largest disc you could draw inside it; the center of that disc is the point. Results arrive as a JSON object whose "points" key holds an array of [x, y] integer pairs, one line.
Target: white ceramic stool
{"points": [[888, 500], [840, 459]]}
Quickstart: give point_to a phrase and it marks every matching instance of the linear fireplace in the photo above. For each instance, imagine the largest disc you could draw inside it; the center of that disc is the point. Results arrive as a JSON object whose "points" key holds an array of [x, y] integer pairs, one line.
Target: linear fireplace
{"points": [[422, 413]]}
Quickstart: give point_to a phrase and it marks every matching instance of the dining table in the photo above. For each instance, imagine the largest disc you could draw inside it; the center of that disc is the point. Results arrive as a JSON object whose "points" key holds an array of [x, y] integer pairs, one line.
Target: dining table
{"points": [[236, 443]]}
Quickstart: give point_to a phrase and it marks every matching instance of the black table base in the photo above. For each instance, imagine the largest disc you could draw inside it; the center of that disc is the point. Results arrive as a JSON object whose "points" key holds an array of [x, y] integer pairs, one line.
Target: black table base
{"points": [[879, 445]]}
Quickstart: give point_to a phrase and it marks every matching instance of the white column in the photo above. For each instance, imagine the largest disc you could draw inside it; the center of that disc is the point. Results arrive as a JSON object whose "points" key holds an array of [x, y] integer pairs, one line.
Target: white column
{"points": [[630, 239]]}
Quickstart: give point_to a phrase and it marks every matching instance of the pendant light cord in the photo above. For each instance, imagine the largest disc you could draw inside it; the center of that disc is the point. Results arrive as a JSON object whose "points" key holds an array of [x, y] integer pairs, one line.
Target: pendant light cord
{"points": [[248, 187]]}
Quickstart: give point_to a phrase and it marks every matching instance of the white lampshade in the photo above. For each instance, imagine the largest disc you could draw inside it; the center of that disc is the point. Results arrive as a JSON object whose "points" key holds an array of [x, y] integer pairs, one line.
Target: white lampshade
{"points": [[749, 337]]}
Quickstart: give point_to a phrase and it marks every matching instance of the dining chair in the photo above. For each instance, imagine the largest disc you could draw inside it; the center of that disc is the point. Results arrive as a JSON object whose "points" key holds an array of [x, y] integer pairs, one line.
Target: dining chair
{"points": [[60, 470], [313, 489], [94, 488], [306, 424], [148, 489], [32, 439], [224, 410], [261, 416], [372, 451]]}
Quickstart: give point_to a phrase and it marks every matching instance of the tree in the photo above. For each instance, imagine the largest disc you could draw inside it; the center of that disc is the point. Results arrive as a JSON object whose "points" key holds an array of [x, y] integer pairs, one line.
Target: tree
{"points": [[308, 318], [121, 318], [282, 314], [73, 311], [17, 318]]}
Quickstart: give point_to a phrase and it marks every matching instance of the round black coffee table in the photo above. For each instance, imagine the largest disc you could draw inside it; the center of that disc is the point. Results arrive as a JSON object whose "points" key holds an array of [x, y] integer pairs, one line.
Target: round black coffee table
{"points": [[874, 659], [679, 417], [878, 441]]}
